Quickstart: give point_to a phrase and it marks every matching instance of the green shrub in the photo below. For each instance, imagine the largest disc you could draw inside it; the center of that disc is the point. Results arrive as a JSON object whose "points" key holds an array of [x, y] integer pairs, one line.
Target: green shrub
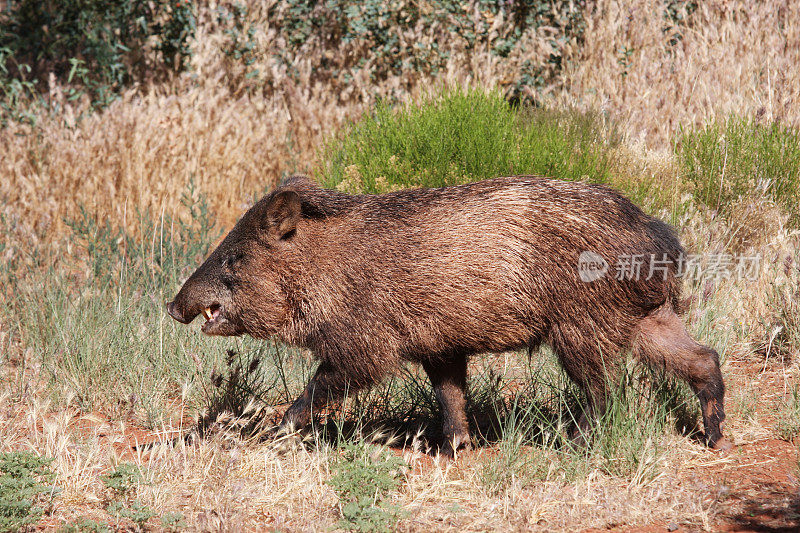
{"points": [[98, 47], [739, 158], [135, 511], [16, 92], [173, 521], [363, 476], [465, 135], [123, 480], [240, 35], [395, 38], [122, 483], [25, 484]]}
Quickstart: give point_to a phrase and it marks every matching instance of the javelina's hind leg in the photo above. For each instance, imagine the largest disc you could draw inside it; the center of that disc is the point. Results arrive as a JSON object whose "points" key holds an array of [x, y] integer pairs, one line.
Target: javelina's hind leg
{"points": [[662, 341], [449, 378], [327, 384]]}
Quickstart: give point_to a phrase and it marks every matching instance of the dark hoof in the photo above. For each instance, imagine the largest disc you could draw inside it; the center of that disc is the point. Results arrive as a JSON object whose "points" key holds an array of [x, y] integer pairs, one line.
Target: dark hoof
{"points": [[451, 447], [723, 445], [287, 439], [578, 438]]}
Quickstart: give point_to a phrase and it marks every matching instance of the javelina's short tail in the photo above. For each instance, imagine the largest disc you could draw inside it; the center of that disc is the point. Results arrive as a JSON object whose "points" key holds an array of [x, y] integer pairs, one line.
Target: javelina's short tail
{"points": [[662, 341]]}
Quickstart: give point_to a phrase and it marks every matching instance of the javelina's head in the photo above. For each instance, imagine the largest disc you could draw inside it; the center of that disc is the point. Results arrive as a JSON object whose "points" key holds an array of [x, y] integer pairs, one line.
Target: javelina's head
{"points": [[239, 288]]}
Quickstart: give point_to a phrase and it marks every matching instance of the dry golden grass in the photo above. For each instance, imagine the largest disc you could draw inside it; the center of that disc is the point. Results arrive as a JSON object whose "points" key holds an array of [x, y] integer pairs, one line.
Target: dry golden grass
{"points": [[735, 56], [143, 150]]}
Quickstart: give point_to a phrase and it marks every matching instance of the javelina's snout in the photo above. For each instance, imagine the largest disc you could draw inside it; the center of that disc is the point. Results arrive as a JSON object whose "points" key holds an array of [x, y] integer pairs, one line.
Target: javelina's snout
{"points": [[187, 305], [239, 288], [175, 313], [191, 302]]}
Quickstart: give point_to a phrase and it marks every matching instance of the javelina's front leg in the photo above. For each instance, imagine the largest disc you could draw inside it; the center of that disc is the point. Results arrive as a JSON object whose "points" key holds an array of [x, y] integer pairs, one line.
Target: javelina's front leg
{"points": [[327, 385], [449, 378]]}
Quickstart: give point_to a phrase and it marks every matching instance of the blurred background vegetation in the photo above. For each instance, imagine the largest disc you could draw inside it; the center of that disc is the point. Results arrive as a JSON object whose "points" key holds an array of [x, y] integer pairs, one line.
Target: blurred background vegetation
{"points": [[98, 48]]}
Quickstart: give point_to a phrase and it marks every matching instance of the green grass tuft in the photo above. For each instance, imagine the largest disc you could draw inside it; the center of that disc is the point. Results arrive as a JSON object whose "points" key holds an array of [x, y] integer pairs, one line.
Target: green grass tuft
{"points": [[740, 158]]}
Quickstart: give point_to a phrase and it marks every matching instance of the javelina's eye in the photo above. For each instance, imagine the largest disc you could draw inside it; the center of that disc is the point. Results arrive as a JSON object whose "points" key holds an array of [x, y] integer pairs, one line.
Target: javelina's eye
{"points": [[231, 261]]}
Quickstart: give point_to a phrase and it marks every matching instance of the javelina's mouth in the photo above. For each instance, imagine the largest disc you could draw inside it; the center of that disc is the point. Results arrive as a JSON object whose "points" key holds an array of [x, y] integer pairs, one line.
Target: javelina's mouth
{"points": [[213, 316]]}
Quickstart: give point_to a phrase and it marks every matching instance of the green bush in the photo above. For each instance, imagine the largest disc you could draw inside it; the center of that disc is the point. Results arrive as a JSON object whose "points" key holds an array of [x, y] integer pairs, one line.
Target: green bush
{"points": [[86, 525], [15, 92], [122, 483], [123, 480], [728, 161], [173, 521], [97, 47], [462, 136]]}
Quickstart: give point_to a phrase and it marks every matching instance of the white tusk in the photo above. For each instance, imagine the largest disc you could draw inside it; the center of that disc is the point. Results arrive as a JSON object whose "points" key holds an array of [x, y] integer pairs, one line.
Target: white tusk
{"points": [[207, 313]]}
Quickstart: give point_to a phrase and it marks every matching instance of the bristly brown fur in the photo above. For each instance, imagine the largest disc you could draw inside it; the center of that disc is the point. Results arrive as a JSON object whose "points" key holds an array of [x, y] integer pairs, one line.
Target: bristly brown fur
{"points": [[434, 276]]}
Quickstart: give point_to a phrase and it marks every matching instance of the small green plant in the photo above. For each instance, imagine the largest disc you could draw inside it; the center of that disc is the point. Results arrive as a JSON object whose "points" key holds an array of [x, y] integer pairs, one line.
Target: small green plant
{"points": [[135, 511], [173, 521], [363, 477], [25, 489], [738, 158], [123, 480], [86, 525]]}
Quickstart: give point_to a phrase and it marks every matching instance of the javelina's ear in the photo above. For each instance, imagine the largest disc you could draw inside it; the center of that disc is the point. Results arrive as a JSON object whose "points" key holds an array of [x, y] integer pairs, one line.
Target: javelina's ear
{"points": [[283, 212]]}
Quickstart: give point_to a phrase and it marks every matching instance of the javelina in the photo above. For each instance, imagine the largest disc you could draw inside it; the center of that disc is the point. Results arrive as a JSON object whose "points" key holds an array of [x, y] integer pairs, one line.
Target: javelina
{"points": [[434, 276]]}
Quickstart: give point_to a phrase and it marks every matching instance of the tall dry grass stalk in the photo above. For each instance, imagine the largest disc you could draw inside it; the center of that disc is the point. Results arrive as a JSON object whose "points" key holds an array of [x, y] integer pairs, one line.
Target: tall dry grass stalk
{"points": [[732, 57]]}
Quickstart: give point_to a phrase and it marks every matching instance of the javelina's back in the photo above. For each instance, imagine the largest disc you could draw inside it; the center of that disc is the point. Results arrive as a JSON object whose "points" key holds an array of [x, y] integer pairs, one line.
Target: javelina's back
{"points": [[436, 275]]}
